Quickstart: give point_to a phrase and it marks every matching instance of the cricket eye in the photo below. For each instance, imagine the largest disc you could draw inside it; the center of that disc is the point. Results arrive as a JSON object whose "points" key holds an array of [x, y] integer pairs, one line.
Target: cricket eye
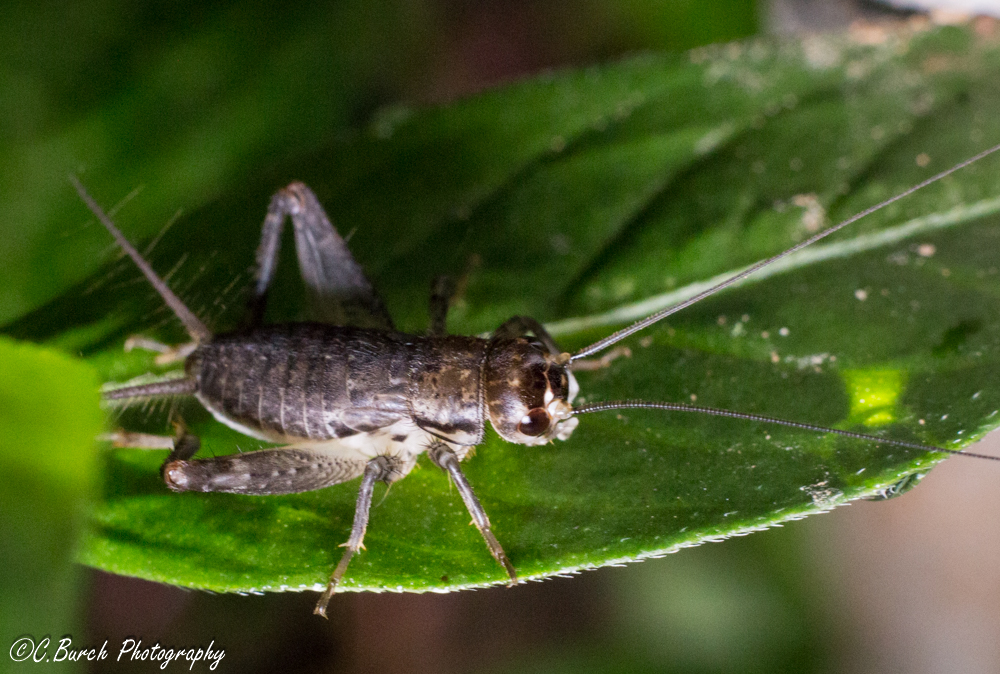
{"points": [[535, 422]]}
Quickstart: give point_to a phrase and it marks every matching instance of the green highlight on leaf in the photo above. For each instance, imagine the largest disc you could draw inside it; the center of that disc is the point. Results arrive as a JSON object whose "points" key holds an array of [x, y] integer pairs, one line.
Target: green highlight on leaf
{"points": [[874, 396]]}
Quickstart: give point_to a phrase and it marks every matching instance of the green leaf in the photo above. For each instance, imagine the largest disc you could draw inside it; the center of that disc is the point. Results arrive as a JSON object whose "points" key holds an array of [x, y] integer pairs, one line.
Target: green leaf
{"points": [[203, 93], [587, 199], [49, 418]]}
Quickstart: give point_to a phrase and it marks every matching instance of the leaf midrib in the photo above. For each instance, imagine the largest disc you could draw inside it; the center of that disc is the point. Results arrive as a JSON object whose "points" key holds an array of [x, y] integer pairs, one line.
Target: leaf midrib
{"points": [[816, 254]]}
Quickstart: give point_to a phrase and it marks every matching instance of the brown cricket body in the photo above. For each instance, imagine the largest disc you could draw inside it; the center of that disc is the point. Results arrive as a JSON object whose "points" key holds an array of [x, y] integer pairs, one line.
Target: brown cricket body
{"points": [[310, 385], [308, 381]]}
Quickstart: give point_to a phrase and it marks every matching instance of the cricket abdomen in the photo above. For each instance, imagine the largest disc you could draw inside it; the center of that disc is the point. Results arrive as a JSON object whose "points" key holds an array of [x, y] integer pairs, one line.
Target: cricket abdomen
{"points": [[313, 382]]}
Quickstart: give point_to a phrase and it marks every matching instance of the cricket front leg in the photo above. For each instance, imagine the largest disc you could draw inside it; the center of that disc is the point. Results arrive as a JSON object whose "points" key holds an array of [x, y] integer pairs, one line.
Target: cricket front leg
{"points": [[518, 326], [445, 458]]}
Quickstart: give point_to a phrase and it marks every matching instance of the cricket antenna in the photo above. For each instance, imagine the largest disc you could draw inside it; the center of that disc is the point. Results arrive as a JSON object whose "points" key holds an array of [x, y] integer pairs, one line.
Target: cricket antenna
{"points": [[712, 411], [195, 327], [644, 323]]}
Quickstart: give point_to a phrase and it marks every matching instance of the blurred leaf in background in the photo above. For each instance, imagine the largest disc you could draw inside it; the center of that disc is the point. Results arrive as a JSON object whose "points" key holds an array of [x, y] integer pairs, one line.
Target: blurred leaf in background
{"points": [[49, 418], [196, 98]]}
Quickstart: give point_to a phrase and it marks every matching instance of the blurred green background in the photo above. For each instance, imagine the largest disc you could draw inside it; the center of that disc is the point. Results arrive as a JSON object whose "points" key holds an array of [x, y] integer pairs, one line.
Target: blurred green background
{"points": [[209, 94], [197, 99]]}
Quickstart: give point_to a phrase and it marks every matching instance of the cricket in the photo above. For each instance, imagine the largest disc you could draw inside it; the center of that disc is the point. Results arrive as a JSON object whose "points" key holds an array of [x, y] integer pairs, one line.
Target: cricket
{"points": [[349, 397]]}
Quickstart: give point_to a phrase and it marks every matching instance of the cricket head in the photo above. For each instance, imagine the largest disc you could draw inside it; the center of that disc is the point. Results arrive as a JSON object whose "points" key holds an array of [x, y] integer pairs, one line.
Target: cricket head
{"points": [[529, 392]]}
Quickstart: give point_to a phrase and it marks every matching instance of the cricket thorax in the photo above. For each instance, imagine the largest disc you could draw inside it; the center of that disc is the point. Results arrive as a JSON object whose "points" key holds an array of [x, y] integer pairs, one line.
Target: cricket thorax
{"points": [[528, 392]]}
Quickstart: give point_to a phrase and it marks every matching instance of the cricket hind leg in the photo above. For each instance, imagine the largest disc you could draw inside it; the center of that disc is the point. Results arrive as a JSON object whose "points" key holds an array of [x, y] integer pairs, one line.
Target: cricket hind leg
{"points": [[380, 469], [339, 292], [446, 459], [265, 472]]}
